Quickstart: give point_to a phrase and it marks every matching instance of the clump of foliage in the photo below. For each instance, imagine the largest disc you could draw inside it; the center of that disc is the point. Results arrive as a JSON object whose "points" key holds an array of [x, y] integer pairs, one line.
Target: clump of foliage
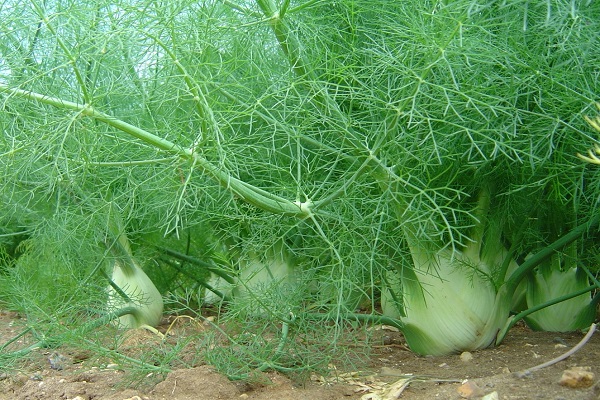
{"points": [[353, 150]]}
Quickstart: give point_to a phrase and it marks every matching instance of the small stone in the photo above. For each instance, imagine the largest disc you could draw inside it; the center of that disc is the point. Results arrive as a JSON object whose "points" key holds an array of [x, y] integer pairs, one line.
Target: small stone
{"points": [[490, 396], [389, 328], [244, 396], [466, 356], [470, 390], [577, 378]]}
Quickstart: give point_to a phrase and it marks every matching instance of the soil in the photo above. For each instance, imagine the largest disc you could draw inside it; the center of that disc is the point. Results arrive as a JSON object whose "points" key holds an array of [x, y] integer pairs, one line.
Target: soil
{"points": [[391, 371]]}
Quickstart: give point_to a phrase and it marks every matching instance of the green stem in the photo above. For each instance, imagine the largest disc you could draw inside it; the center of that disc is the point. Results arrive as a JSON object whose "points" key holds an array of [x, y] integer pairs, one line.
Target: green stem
{"points": [[118, 355], [193, 260], [264, 364], [243, 10], [257, 197], [591, 276], [285, 328], [368, 318], [531, 310], [14, 339], [547, 251], [127, 163]]}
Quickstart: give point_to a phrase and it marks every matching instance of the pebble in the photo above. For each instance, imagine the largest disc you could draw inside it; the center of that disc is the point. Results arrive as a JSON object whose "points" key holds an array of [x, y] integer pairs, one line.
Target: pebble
{"points": [[490, 396], [577, 378], [466, 356], [470, 390]]}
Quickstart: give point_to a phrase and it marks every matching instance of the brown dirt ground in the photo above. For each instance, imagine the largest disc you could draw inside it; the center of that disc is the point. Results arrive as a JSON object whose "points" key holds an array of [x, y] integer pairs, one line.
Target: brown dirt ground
{"points": [[493, 370]]}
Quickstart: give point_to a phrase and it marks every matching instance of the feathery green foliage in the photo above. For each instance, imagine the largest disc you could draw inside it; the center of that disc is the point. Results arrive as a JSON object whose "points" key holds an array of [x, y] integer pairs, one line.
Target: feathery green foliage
{"points": [[344, 132]]}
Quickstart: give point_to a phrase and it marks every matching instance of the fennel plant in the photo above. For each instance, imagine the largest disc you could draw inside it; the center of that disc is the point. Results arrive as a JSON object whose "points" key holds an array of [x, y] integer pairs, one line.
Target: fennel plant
{"points": [[355, 135]]}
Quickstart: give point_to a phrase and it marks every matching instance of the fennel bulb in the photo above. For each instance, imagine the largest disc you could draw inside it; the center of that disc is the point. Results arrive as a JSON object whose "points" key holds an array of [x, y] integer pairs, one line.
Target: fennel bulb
{"points": [[263, 282], [142, 296], [130, 287], [447, 300], [259, 275], [547, 284], [450, 304]]}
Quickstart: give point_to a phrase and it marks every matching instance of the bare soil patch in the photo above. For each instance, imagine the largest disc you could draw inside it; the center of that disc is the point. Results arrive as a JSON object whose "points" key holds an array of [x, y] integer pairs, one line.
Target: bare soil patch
{"points": [[64, 373]]}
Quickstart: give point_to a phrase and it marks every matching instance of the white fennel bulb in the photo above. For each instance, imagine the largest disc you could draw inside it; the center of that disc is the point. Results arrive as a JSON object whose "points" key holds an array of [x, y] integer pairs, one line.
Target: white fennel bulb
{"points": [[130, 288], [450, 304], [142, 297], [447, 300], [263, 282], [259, 275]]}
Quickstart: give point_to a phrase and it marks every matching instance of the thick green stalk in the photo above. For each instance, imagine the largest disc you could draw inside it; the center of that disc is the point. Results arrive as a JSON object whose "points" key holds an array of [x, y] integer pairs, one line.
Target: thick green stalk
{"points": [[248, 193]]}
